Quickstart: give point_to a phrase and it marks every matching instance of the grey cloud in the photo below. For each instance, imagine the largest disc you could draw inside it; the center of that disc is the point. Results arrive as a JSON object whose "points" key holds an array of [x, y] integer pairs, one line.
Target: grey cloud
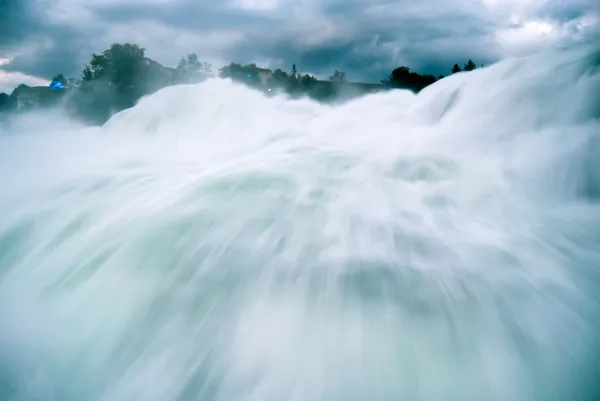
{"points": [[364, 41], [64, 55], [22, 27], [195, 16], [17, 22], [372, 47], [564, 11]]}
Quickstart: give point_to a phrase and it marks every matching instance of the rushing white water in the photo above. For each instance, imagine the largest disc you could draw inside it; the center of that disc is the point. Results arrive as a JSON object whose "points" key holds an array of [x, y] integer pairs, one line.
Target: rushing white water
{"points": [[213, 244]]}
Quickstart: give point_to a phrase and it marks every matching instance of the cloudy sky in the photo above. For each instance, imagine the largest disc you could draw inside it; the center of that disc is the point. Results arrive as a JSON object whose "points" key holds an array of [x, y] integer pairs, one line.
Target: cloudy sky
{"points": [[365, 38]]}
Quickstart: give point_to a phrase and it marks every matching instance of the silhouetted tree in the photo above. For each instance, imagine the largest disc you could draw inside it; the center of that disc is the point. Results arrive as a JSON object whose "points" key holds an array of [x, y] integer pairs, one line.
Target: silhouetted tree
{"points": [[124, 68], [279, 79], [307, 82], [323, 91], [403, 78], [191, 70], [233, 71], [114, 80], [192, 60], [338, 77], [3, 101], [119, 64], [88, 75], [280, 76], [247, 73], [470, 66]]}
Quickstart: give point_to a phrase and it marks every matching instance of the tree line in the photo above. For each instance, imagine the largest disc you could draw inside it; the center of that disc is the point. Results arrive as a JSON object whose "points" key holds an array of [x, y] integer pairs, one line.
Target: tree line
{"points": [[119, 76]]}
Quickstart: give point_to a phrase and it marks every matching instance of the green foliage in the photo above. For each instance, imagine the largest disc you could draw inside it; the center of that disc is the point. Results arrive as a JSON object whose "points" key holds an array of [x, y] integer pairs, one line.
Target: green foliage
{"points": [[307, 82], [88, 75], [116, 78], [280, 76], [4, 101], [249, 74], [94, 101], [279, 80], [191, 70], [324, 91], [118, 64]]}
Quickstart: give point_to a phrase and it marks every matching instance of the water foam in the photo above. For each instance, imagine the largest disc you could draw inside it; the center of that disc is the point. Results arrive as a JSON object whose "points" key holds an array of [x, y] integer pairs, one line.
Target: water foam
{"points": [[214, 244]]}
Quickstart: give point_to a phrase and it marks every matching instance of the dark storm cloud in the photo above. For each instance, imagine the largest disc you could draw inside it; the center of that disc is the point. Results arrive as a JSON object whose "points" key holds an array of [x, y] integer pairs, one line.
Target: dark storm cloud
{"points": [[55, 59], [364, 38], [22, 27], [373, 45], [16, 22], [184, 15]]}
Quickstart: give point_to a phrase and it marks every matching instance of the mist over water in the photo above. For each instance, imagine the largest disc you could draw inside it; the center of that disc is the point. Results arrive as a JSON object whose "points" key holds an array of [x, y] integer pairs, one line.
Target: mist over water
{"points": [[213, 244]]}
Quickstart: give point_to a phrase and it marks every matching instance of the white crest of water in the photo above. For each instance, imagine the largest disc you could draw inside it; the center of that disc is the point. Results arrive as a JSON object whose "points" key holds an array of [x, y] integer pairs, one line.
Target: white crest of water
{"points": [[215, 244]]}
